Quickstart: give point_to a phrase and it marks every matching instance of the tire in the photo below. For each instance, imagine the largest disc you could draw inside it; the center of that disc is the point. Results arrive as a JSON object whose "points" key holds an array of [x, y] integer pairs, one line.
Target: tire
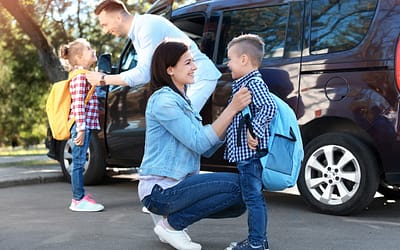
{"points": [[346, 184], [94, 169]]}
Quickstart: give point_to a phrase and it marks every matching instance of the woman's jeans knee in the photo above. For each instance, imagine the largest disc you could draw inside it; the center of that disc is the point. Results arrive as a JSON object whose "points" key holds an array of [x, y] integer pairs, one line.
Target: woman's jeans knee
{"points": [[215, 195], [79, 158]]}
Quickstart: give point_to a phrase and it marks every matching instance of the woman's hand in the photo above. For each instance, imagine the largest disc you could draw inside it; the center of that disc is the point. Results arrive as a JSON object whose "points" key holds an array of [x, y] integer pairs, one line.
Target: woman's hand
{"points": [[80, 138], [251, 141], [240, 100]]}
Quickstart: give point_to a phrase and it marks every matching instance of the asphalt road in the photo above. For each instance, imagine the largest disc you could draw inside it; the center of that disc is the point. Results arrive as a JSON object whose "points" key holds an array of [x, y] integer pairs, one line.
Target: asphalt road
{"points": [[36, 217]]}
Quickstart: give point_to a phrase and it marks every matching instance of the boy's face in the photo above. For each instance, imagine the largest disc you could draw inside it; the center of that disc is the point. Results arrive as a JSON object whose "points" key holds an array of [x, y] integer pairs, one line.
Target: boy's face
{"points": [[235, 62]]}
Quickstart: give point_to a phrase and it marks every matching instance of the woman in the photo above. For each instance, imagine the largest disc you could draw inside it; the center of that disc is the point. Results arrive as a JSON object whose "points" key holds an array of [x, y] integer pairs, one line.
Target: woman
{"points": [[170, 184]]}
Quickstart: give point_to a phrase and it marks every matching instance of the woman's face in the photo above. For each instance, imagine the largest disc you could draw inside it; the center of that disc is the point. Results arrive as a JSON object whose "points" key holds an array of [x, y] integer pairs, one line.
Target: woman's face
{"points": [[183, 72]]}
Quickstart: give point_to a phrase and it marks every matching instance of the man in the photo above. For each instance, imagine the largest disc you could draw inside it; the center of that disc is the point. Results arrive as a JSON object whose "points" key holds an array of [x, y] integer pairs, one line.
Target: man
{"points": [[146, 33]]}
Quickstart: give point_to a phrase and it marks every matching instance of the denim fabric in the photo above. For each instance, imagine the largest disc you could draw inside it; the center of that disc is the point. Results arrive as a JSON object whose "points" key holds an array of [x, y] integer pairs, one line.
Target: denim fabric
{"points": [[250, 172], [214, 195], [78, 163], [175, 136]]}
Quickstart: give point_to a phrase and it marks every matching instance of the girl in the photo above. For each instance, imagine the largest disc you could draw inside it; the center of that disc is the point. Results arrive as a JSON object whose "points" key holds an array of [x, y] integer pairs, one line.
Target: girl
{"points": [[79, 55]]}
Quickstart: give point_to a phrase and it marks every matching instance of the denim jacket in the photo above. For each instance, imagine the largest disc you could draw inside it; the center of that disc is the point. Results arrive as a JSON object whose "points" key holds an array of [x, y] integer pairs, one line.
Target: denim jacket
{"points": [[175, 137]]}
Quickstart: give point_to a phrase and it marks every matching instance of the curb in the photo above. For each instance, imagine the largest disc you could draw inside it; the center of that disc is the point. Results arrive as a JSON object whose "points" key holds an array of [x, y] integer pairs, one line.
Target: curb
{"points": [[31, 180]]}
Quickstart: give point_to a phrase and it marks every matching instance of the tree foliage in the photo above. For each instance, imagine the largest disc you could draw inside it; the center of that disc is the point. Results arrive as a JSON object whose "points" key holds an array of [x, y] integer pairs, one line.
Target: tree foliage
{"points": [[31, 31]]}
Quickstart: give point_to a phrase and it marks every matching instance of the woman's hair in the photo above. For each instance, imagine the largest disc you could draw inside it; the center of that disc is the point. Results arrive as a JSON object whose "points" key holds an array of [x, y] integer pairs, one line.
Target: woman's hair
{"points": [[70, 53], [167, 54]]}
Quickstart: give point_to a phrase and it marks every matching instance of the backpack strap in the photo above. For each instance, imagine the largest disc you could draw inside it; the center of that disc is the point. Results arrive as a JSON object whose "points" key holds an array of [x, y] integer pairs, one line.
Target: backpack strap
{"points": [[246, 119], [76, 72]]}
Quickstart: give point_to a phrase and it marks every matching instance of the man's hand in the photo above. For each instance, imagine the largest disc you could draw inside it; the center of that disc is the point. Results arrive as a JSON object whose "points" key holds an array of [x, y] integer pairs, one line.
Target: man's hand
{"points": [[94, 78]]}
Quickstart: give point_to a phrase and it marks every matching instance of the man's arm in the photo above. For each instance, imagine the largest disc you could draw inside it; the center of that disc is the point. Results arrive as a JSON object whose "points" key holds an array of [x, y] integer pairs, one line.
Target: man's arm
{"points": [[100, 79]]}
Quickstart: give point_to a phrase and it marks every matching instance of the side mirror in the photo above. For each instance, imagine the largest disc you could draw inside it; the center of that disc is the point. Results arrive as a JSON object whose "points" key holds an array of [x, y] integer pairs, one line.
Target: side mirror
{"points": [[104, 63]]}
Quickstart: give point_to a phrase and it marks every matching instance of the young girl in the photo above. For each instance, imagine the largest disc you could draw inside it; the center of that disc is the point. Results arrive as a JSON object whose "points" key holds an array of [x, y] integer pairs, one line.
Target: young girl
{"points": [[79, 55]]}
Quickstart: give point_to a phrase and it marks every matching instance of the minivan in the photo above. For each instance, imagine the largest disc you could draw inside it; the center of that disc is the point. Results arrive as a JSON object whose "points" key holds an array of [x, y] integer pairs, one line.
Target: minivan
{"points": [[336, 63]]}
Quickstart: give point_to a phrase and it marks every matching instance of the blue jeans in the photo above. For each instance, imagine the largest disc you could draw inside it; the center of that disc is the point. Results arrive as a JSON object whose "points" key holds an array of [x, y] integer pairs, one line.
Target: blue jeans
{"points": [[214, 195], [250, 172], [79, 158]]}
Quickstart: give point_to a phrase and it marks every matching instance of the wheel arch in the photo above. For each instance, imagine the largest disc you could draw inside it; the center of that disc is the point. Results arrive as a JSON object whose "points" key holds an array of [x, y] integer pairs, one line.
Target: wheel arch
{"points": [[331, 124]]}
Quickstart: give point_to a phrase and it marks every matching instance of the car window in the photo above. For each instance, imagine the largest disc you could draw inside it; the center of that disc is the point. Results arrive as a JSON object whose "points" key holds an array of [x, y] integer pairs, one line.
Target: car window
{"points": [[128, 58], [268, 22], [339, 25], [192, 25]]}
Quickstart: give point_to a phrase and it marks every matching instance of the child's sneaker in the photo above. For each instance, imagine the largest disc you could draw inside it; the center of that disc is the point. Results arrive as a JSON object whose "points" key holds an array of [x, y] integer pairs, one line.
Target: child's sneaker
{"points": [[87, 204], [244, 245]]}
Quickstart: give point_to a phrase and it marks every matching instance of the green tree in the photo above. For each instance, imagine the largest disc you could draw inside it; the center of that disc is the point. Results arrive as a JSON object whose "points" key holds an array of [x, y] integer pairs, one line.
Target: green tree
{"points": [[31, 31]]}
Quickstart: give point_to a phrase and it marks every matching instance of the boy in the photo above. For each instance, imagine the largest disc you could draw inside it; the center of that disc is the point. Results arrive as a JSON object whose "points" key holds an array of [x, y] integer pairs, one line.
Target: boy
{"points": [[245, 54]]}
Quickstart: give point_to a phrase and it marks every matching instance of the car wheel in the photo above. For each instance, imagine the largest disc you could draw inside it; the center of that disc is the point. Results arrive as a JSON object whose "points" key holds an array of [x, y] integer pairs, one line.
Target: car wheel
{"points": [[339, 175], [94, 169]]}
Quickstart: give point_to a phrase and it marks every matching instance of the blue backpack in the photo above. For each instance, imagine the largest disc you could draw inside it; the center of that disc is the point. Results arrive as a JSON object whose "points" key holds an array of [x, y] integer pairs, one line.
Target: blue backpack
{"points": [[282, 163]]}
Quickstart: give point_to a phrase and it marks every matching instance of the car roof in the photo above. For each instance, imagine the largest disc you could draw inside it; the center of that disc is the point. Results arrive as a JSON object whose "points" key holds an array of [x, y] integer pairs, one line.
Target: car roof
{"points": [[204, 5]]}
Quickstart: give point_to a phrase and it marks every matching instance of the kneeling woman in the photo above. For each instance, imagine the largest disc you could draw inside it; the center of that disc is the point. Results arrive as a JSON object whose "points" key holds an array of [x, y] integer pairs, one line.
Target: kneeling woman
{"points": [[170, 184]]}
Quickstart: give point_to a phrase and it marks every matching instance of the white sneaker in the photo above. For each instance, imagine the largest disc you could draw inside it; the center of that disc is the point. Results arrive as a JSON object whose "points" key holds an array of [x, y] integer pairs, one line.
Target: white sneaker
{"points": [[178, 239], [87, 204]]}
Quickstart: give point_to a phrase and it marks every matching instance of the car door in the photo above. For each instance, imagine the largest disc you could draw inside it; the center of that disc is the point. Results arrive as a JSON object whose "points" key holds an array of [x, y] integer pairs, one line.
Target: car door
{"points": [[281, 27], [125, 125]]}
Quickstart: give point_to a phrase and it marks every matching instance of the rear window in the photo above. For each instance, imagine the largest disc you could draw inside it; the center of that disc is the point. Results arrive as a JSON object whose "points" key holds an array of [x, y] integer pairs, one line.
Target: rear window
{"points": [[268, 22], [339, 25]]}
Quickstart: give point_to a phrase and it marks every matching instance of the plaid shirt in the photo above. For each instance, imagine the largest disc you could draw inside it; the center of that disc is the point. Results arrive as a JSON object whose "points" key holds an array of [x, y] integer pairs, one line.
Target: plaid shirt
{"points": [[262, 108], [86, 116]]}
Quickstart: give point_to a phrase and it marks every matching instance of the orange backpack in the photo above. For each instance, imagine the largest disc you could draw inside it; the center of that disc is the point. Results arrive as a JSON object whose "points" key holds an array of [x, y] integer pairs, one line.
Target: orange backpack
{"points": [[58, 106]]}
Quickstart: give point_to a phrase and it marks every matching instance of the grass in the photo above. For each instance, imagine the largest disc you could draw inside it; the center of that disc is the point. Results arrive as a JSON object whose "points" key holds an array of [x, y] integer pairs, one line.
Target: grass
{"points": [[23, 151], [49, 162]]}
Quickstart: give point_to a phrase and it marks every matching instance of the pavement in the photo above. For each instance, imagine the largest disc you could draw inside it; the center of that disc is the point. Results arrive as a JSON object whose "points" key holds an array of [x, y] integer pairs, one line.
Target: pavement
{"points": [[16, 170]]}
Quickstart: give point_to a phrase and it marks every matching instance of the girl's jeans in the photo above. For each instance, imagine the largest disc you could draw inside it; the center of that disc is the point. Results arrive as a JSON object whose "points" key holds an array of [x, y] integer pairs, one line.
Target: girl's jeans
{"points": [[250, 172], [214, 195], [79, 157]]}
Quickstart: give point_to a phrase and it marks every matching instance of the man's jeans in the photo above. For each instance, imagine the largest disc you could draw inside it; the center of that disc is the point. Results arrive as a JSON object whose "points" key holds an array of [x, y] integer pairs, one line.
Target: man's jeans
{"points": [[250, 172], [214, 195], [79, 158]]}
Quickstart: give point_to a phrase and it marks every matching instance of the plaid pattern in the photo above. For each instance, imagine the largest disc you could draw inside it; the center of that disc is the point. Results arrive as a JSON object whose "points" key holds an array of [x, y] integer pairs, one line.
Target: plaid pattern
{"points": [[262, 108], [86, 116]]}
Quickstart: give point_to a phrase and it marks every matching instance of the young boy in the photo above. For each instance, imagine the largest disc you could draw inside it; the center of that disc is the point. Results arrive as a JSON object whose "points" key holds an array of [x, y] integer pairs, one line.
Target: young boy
{"points": [[245, 54]]}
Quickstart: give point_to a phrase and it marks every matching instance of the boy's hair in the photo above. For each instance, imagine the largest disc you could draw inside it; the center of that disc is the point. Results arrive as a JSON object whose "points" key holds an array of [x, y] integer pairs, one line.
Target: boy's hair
{"points": [[111, 6], [251, 45], [71, 52]]}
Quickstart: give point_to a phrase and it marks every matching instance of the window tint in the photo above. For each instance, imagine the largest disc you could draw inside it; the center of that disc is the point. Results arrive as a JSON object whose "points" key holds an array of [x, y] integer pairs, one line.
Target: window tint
{"points": [[339, 25], [268, 22], [129, 58], [193, 26]]}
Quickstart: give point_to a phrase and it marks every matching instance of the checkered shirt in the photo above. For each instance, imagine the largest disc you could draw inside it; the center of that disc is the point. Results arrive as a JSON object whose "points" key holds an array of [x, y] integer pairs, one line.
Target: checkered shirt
{"points": [[86, 116], [262, 108]]}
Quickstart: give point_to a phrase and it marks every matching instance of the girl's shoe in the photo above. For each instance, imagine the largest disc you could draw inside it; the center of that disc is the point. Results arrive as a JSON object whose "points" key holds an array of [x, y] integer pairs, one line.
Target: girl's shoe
{"points": [[86, 204]]}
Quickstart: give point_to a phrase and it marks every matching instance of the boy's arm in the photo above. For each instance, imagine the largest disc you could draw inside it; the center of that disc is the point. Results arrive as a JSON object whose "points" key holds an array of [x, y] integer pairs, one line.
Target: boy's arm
{"points": [[262, 99]]}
